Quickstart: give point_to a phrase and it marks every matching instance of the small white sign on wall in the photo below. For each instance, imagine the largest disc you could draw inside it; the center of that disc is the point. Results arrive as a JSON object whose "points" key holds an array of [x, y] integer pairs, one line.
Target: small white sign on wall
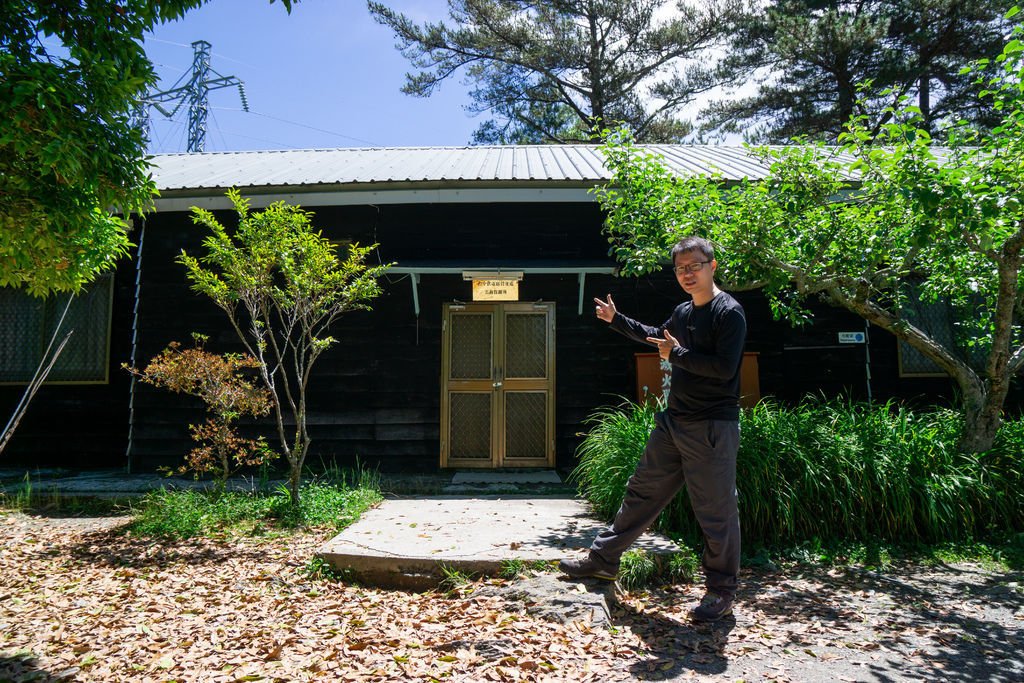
{"points": [[852, 337]]}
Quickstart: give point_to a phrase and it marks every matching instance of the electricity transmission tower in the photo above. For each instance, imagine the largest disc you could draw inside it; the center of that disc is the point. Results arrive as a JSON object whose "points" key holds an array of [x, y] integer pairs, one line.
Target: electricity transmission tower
{"points": [[195, 91]]}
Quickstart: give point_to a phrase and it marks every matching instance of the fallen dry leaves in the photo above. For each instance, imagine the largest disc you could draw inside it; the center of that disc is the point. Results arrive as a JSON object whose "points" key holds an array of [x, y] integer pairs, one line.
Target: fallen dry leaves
{"points": [[80, 601], [95, 605]]}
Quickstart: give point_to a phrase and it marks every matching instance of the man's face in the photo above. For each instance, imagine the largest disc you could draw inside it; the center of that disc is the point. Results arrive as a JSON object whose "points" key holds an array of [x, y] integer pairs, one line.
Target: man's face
{"points": [[701, 281]]}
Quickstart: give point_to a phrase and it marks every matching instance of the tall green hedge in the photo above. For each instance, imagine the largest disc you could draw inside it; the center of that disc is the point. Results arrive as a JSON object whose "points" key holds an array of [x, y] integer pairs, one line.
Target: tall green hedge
{"points": [[832, 469]]}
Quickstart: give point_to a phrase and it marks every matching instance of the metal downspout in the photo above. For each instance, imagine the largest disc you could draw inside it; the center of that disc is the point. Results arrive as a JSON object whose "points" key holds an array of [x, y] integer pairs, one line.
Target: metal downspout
{"points": [[582, 276], [135, 337]]}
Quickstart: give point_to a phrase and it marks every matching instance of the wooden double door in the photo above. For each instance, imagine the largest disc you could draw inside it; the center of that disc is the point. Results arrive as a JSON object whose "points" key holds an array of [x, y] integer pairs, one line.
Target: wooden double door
{"points": [[498, 385]]}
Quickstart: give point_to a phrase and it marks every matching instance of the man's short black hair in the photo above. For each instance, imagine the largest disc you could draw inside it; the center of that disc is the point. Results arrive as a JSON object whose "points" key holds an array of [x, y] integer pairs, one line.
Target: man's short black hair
{"points": [[694, 244]]}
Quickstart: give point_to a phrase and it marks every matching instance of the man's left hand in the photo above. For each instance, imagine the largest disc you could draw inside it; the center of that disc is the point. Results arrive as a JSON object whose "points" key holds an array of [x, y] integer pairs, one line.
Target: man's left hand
{"points": [[665, 345]]}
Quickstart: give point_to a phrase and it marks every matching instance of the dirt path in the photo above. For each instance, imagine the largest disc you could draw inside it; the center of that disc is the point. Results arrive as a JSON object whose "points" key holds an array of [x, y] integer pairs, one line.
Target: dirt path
{"points": [[80, 601], [950, 623]]}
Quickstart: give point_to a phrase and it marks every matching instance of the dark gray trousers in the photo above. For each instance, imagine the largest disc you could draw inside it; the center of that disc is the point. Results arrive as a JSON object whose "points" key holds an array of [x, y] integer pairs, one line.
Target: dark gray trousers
{"points": [[701, 456]]}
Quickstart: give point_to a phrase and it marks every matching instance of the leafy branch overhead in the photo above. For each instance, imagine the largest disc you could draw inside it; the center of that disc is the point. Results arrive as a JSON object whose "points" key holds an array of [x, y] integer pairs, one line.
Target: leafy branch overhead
{"points": [[71, 153], [282, 285], [886, 219], [550, 72]]}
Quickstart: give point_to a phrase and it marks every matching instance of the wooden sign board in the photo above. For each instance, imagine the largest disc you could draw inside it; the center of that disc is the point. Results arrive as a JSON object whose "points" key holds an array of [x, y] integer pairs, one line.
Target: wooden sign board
{"points": [[505, 289]]}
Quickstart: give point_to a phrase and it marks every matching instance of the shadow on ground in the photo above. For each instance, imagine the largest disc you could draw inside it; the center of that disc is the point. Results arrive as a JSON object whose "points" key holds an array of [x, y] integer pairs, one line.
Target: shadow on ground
{"points": [[679, 647], [114, 548], [19, 669], [918, 623]]}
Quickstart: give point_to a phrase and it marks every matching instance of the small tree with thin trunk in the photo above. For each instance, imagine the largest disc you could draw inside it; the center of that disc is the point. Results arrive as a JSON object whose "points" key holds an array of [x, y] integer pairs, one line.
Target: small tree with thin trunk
{"points": [[282, 286], [868, 226]]}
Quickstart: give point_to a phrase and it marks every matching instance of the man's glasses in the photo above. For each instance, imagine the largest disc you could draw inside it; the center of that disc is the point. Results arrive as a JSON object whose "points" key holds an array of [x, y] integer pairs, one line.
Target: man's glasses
{"points": [[689, 267]]}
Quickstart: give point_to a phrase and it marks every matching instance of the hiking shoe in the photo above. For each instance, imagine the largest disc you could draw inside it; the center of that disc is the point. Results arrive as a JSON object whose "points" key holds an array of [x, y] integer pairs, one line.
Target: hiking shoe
{"points": [[712, 607], [588, 567]]}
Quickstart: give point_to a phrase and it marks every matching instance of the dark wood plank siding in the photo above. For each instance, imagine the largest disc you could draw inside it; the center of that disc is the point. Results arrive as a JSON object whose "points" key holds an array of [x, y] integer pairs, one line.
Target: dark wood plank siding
{"points": [[375, 396]]}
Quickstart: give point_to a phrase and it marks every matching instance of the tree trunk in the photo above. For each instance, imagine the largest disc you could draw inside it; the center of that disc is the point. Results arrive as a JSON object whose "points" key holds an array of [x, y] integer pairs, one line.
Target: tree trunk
{"points": [[295, 477], [298, 459], [847, 98], [983, 407], [924, 101], [982, 419]]}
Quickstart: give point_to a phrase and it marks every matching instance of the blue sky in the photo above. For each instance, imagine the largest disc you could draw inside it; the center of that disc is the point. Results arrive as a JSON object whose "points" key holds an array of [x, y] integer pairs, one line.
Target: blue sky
{"points": [[326, 75]]}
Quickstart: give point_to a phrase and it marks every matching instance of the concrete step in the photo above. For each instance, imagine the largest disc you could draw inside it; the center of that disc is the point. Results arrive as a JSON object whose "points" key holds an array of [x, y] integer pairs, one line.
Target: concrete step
{"points": [[405, 543]]}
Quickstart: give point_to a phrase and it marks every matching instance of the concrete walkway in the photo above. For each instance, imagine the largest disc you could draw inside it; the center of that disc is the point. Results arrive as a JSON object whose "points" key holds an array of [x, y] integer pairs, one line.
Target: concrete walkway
{"points": [[407, 543], [111, 483]]}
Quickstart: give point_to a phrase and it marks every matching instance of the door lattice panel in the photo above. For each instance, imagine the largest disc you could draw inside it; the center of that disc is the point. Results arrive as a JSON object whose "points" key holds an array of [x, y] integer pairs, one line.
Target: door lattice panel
{"points": [[525, 424], [525, 345], [470, 430], [471, 346]]}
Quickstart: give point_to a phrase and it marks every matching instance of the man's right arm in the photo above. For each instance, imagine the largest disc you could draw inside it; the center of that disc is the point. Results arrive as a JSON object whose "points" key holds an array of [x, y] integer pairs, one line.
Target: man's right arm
{"points": [[605, 310], [635, 330]]}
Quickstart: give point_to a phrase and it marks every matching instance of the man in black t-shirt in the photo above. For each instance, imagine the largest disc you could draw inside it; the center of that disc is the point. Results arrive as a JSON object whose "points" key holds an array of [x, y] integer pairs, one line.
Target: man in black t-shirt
{"points": [[695, 439]]}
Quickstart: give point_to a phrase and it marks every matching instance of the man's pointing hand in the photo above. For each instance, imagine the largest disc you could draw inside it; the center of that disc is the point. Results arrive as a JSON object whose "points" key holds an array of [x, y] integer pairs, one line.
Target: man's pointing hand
{"points": [[605, 310], [665, 345]]}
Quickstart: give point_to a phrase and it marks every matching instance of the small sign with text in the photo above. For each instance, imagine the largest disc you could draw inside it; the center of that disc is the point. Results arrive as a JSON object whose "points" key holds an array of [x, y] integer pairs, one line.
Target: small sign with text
{"points": [[852, 337], [495, 289]]}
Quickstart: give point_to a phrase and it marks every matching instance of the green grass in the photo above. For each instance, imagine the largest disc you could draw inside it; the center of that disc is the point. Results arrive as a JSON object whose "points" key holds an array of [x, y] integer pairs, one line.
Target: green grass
{"points": [[32, 497], [317, 569], [188, 514], [609, 454], [334, 499], [640, 569], [1000, 554], [452, 578], [515, 568], [833, 470], [637, 569]]}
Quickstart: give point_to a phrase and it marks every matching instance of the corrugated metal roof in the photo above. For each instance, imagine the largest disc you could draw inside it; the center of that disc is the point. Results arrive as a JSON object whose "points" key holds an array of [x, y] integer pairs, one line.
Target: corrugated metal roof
{"points": [[546, 164]]}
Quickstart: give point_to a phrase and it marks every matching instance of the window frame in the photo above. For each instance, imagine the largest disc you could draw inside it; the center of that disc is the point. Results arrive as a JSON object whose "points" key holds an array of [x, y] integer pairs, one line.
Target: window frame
{"points": [[108, 334]]}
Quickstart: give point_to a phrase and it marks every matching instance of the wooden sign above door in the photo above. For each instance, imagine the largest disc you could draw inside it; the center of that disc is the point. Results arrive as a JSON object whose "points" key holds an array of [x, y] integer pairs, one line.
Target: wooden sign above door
{"points": [[495, 289]]}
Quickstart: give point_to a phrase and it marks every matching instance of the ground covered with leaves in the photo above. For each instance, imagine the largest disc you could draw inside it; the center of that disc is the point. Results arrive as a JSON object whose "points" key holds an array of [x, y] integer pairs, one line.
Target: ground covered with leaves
{"points": [[81, 600]]}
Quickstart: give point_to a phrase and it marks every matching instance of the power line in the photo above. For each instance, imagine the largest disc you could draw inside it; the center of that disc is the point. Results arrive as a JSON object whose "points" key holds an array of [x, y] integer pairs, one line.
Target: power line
{"points": [[279, 144], [303, 125], [216, 127], [167, 42], [215, 54]]}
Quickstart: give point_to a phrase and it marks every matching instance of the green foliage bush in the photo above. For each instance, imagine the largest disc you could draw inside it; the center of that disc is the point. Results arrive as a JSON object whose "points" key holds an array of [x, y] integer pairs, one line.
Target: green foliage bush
{"points": [[220, 381], [188, 514], [609, 453], [833, 469]]}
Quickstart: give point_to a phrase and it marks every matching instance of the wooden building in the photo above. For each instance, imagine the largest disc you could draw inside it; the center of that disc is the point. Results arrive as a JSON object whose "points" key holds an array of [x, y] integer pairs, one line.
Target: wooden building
{"points": [[433, 376]]}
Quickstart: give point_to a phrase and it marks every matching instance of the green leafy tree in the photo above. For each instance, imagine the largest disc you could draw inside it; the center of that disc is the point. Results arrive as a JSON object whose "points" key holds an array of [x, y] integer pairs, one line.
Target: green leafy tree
{"points": [[221, 383], [71, 158], [807, 59], [885, 218], [282, 286], [549, 71]]}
